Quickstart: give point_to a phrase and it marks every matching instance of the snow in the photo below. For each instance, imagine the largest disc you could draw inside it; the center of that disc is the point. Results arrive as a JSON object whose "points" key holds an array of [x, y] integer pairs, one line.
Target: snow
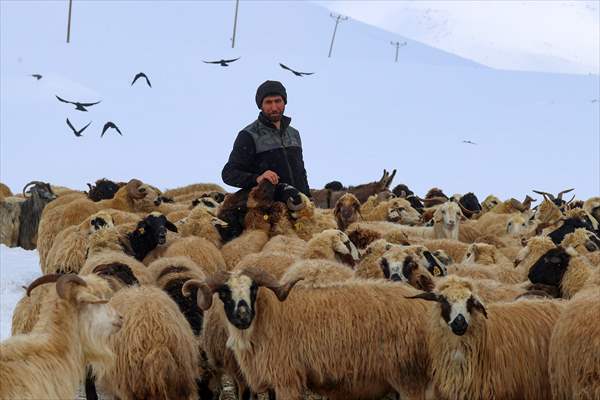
{"points": [[360, 112], [18, 268], [550, 36]]}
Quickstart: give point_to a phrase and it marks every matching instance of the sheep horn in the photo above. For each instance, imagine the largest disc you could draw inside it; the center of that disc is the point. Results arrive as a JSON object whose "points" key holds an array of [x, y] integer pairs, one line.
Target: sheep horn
{"points": [[527, 202], [547, 196], [42, 280], [560, 195], [292, 206], [469, 212], [206, 288], [265, 279], [572, 198], [389, 179], [133, 189], [63, 281], [29, 184]]}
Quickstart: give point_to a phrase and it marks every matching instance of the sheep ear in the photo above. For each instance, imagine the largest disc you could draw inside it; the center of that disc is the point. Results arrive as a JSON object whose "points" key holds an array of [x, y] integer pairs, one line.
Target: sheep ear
{"points": [[425, 283], [476, 304], [429, 296], [170, 226]]}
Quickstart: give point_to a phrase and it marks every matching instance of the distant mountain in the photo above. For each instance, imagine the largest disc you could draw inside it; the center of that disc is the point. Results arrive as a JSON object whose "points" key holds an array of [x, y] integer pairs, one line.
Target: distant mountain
{"points": [[549, 36]]}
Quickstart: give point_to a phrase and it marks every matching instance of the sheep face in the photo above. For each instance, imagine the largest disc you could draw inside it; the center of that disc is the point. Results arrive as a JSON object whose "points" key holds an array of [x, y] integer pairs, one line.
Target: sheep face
{"points": [[239, 298], [443, 257], [399, 265], [481, 253], [103, 189], [517, 225], [457, 305], [448, 214], [155, 226], [569, 226], [550, 268], [238, 291], [490, 202], [401, 211], [207, 203], [346, 210]]}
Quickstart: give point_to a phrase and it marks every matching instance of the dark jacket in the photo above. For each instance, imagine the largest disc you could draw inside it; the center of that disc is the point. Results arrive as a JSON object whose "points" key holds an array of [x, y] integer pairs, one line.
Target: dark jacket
{"points": [[260, 147]]}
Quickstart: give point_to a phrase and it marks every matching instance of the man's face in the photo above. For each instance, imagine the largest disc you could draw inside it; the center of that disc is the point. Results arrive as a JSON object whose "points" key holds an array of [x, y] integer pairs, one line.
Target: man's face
{"points": [[273, 107]]}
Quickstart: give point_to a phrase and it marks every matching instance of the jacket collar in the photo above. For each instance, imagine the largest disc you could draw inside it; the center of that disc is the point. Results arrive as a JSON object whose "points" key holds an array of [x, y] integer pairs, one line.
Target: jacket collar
{"points": [[285, 121]]}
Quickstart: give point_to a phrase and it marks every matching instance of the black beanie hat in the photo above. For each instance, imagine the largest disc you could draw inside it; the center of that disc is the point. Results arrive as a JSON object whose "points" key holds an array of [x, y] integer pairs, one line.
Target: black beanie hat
{"points": [[270, 88]]}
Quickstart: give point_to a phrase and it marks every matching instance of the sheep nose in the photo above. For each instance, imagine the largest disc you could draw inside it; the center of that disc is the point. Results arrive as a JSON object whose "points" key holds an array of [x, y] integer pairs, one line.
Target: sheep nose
{"points": [[459, 325], [118, 323], [396, 278]]}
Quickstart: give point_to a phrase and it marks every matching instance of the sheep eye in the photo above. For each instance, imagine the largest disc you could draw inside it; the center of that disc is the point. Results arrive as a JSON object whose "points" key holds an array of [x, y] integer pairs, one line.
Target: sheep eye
{"points": [[142, 190], [443, 211], [468, 254]]}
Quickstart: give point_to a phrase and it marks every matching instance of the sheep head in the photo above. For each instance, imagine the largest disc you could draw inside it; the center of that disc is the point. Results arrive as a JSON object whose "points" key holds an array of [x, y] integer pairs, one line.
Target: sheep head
{"points": [[458, 303], [346, 211], [103, 189], [401, 211], [238, 291]]}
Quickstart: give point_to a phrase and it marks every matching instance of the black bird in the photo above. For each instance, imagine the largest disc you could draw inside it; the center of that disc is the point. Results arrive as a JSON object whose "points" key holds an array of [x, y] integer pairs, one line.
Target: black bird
{"points": [[37, 76], [295, 72], [141, 75], [110, 124], [78, 106], [223, 63], [75, 131], [469, 142]]}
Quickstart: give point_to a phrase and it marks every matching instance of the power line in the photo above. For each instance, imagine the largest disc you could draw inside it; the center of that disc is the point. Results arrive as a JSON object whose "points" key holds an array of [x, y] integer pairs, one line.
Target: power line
{"points": [[337, 18], [69, 22], [237, 4], [397, 44]]}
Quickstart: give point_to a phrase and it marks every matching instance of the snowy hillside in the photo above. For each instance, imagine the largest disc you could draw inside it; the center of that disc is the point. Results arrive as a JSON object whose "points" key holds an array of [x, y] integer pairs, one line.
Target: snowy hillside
{"points": [[358, 114], [18, 268], [551, 36]]}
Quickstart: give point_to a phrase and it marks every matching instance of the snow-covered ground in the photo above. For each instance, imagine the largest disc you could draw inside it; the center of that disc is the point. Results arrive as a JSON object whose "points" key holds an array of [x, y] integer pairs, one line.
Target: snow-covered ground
{"points": [[18, 268]]}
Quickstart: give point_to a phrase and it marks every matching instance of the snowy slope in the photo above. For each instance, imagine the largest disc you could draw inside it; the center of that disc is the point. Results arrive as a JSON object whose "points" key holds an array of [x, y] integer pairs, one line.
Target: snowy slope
{"points": [[551, 36], [358, 114], [18, 268]]}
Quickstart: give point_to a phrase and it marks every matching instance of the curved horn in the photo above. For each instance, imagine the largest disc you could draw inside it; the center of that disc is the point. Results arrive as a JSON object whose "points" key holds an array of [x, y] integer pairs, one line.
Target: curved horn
{"points": [[206, 288], [465, 210], [429, 296], [133, 189], [265, 279], [31, 183], [292, 206], [63, 281], [560, 195], [42, 280], [546, 195], [527, 202], [572, 198]]}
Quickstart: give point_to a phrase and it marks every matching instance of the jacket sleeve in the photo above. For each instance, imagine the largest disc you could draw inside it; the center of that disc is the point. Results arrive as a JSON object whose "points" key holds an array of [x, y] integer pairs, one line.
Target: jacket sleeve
{"points": [[304, 185], [238, 170]]}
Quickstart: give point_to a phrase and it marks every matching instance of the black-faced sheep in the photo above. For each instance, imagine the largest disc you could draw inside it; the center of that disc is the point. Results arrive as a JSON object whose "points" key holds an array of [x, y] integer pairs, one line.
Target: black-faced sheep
{"points": [[478, 352], [279, 344]]}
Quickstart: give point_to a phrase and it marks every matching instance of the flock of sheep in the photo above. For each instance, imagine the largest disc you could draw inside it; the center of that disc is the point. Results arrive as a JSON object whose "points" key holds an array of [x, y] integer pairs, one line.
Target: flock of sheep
{"points": [[358, 293]]}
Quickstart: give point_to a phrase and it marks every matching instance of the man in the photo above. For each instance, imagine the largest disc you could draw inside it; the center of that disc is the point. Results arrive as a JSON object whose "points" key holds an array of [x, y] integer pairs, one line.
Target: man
{"points": [[269, 148]]}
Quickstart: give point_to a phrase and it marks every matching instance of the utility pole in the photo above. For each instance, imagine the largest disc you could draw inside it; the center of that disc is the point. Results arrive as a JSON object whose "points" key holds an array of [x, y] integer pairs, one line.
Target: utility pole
{"points": [[237, 4], [337, 18], [69, 22], [397, 44]]}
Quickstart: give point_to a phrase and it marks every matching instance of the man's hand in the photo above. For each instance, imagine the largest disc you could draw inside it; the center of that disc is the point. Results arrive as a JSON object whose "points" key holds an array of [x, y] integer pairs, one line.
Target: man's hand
{"points": [[268, 175]]}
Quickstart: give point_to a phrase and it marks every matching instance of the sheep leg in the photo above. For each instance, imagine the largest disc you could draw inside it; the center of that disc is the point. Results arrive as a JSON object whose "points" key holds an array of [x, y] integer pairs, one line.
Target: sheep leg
{"points": [[288, 393]]}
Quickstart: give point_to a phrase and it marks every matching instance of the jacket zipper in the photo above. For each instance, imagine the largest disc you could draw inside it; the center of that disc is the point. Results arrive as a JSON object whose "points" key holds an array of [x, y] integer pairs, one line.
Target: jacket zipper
{"points": [[287, 162]]}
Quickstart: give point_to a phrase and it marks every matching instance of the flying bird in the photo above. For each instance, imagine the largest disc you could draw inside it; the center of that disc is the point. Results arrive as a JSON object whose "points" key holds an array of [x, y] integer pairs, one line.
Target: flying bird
{"points": [[78, 106], [223, 63], [469, 142], [75, 131], [141, 75], [594, 101], [108, 125], [37, 76], [295, 72]]}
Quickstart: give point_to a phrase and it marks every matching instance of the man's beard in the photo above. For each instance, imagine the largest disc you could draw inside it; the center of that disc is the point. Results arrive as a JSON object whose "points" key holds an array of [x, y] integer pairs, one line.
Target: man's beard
{"points": [[275, 117]]}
